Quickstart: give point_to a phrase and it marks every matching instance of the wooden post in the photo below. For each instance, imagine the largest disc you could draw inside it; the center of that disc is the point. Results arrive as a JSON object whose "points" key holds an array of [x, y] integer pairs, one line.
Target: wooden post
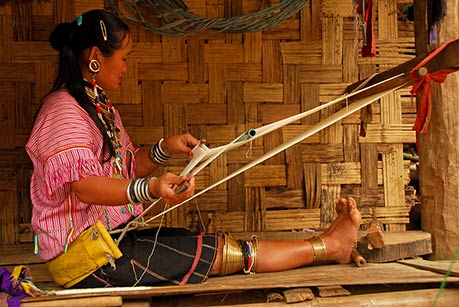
{"points": [[439, 149]]}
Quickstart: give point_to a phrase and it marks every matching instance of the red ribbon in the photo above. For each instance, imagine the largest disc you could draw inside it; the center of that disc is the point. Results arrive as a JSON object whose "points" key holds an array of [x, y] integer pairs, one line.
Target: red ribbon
{"points": [[422, 87]]}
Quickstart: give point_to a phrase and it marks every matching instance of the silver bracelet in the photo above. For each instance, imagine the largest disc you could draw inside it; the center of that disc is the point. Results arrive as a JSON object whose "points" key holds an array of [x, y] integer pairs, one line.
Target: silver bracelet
{"points": [[138, 192], [157, 153]]}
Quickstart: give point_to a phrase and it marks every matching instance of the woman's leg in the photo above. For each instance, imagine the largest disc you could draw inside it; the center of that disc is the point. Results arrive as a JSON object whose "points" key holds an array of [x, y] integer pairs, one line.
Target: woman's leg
{"points": [[339, 239]]}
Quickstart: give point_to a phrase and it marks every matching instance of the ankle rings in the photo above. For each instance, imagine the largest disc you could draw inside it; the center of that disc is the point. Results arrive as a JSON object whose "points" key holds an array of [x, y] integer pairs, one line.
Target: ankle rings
{"points": [[319, 248], [239, 255]]}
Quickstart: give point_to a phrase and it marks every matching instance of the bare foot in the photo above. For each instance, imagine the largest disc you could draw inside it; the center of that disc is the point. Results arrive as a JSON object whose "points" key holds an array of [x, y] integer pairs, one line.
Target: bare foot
{"points": [[341, 237]]}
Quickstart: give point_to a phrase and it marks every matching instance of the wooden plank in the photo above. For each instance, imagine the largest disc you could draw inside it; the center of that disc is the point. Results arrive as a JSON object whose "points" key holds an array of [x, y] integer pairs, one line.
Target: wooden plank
{"points": [[102, 301], [331, 291], [418, 298], [298, 295], [323, 275], [397, 245]]}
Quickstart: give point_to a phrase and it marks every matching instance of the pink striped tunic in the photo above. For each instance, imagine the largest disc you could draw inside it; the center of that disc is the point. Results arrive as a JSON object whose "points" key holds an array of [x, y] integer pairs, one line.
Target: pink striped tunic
{"points": [[65, 144]]}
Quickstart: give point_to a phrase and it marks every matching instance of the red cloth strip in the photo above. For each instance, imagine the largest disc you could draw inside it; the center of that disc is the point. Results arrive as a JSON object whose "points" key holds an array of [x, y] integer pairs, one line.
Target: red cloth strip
{"points": [[422, 87]]}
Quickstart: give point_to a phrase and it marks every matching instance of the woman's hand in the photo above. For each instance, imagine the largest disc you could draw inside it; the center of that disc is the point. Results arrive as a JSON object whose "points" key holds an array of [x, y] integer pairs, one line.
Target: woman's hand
{"points": [[172, 188], [183, 143]]}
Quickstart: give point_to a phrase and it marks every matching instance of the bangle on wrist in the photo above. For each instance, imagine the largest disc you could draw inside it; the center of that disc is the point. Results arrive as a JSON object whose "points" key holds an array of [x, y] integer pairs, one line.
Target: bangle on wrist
{"points": [[138, 191], [157, 153]]}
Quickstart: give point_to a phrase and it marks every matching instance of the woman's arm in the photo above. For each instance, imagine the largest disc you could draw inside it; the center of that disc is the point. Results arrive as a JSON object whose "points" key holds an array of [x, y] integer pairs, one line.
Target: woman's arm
{"points": [[113, 191]]}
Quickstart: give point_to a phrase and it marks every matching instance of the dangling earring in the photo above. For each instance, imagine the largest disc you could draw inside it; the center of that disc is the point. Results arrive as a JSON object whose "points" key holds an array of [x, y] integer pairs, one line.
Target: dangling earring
{"points": [[94, 66]]}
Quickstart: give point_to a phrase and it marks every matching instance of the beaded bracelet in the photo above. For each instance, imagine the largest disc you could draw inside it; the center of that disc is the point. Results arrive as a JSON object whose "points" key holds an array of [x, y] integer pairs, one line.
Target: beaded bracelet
{"points": [[138, 192], [158, 154]]}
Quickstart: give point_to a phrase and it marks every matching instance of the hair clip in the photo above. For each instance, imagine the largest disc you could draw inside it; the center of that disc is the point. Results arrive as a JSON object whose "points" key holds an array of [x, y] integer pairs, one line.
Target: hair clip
{"points": [[103, 30], [79, 20]]}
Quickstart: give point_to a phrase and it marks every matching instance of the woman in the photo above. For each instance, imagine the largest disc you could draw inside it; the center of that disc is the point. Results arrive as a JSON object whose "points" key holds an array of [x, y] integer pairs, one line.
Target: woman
{"points": [[87, 173]]}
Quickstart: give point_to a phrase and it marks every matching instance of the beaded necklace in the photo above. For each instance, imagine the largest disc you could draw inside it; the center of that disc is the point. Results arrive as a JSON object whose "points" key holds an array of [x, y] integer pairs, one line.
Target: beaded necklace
{"points": [[106, 114]]}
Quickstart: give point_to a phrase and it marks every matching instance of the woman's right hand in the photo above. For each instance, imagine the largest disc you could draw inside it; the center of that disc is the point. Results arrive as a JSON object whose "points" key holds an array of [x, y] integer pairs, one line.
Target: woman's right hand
{"points": [[172, 188]]}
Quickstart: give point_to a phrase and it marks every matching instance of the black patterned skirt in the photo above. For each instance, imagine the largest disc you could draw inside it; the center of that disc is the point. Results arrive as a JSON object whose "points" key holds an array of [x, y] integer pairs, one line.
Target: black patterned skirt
{"points": [[172, 256]]}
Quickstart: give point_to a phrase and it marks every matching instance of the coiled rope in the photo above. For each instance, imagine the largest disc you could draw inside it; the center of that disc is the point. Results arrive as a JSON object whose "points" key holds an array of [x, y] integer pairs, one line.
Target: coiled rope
{"points": [[175, 18]]}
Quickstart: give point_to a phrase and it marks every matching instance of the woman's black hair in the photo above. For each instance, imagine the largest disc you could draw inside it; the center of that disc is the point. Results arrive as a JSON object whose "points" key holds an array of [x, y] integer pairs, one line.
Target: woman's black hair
{"points": [[71, 39]]}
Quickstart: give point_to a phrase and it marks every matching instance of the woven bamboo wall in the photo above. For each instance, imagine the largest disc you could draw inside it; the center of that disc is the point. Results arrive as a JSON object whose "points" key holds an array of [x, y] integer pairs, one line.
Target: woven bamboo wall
{"points": [[218, 86]]}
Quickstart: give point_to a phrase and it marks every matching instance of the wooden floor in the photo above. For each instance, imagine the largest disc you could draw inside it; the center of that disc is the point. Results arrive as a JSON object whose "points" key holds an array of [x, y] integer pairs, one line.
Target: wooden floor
{"points": [[410, 282]]}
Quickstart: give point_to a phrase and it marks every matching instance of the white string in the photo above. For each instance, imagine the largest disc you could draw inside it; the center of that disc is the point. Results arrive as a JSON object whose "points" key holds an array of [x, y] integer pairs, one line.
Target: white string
{"points": [[212, 154], [319, 126], [152, 250]]}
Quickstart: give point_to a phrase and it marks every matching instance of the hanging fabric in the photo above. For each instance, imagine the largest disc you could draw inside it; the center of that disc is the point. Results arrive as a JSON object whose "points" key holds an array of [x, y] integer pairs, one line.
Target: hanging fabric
{"points": [[365, 8]]}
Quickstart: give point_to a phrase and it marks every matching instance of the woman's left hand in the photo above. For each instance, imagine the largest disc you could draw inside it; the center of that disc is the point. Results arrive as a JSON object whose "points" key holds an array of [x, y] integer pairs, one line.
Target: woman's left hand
{"points": [[172, 188], [183, 143]]}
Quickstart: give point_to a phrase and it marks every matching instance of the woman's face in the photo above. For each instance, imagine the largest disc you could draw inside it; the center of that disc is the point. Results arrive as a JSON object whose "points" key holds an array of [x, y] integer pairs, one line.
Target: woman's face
{"points": [[112, 68]]}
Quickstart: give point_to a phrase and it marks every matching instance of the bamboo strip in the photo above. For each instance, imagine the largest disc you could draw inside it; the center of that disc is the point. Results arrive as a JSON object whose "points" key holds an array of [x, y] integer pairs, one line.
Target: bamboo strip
{"points": [[180, 93], [32, 52], [324, 73], [217, 92], [17, 72], [244, 72], [313, 184], [258, 92], [206, 114], [223, 53], [337, 8], [325, 153], [332, 40], [220, 134], [292, 219], [329, 194], [301, 53], [162, 71], [287, 30], [310, 22], [282, 198], [196, 66], [271, 65], [294, 167], [341, 173], [265, 175], [292, 130], [129, 87], [147, 52], [230, 221], [252, 46], [291, 85], [6, 43]]}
